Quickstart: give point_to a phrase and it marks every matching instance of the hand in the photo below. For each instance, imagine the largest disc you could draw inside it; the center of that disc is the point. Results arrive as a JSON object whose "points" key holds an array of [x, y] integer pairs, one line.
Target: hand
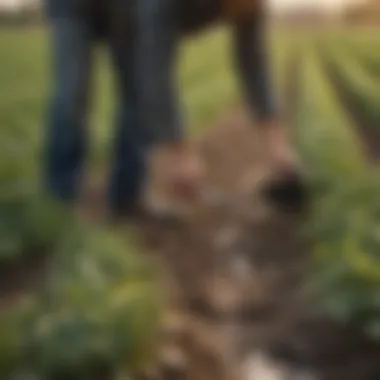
{"points": [[287, 189], [184, 170], [175, 173], [277, 148]]}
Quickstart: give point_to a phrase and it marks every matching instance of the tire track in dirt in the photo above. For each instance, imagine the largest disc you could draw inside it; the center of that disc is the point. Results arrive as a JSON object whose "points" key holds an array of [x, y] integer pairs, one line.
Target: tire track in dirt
{"points": [[367, 128], [238, 306]]}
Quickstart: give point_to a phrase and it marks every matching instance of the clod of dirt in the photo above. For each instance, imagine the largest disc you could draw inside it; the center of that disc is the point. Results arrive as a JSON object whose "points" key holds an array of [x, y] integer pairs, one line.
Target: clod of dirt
{"points": [[289, 194], [226, 237], [173, 360], [261, 367], [21, 279], [224, 296], [240, 267]]}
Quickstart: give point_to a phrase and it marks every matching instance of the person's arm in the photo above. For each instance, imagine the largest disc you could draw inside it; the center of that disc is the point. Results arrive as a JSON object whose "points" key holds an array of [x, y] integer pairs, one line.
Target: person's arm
{"points": [[157, 37], [253, 66]]}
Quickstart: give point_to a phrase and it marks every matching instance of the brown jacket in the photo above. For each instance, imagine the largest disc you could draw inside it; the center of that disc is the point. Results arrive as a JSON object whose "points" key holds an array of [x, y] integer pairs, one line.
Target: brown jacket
{"points": [[237, 10], [199, 14]]}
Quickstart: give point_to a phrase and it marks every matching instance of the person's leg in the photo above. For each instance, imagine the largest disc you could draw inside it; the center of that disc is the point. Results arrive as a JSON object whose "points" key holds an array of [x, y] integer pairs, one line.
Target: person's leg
{"points": [[253, 64], [128, 166], [174, 176], [65, 145]]}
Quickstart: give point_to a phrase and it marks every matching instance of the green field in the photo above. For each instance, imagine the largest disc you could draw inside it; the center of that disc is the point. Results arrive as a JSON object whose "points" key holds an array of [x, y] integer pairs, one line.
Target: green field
{"points": [[336, 105]]}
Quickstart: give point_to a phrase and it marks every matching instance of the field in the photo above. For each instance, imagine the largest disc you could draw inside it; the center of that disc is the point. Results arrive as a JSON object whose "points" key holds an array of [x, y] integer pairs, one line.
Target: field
{"points": [[253, 292]]}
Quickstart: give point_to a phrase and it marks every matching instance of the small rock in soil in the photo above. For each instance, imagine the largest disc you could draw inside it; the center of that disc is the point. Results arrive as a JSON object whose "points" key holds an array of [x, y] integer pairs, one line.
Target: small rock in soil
{"points": [[173, 360], [214, 197], [241, 268], [224, 296], [173, 325], [226, 237], [261, 367]]}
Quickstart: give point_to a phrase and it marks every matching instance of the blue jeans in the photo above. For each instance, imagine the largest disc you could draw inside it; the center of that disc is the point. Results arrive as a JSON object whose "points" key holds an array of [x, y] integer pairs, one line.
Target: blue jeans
{"points": [[73, 42]]}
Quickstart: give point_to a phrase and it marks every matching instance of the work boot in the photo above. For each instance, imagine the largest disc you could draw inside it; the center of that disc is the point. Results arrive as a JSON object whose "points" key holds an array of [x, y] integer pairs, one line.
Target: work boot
{"points": [[277, 151]]}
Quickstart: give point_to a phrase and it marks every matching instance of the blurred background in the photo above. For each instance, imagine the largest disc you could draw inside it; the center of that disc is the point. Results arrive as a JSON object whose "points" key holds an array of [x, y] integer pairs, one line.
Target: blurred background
{"points": [[80, 300]]}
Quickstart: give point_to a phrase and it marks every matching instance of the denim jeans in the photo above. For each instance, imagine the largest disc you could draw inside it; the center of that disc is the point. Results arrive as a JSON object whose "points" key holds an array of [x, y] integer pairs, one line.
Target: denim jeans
{"points": [[73, 41], [144, 68]]}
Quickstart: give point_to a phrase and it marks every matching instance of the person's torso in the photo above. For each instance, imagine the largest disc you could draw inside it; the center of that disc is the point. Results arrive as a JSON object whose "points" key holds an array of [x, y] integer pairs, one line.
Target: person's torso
{"points": [[192, 15], [195, 15], [78, 8], [198, 14], [103, 16]]}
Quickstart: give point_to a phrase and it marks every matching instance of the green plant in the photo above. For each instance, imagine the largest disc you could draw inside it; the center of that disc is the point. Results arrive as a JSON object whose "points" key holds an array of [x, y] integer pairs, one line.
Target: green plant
{"points": [[346, 212], [358, 83], [97, 312], [366, 54], [29, 222]]}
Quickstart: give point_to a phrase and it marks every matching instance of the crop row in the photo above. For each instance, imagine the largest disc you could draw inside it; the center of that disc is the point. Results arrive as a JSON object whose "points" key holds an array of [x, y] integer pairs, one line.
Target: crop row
{"points": [[346, 208]]}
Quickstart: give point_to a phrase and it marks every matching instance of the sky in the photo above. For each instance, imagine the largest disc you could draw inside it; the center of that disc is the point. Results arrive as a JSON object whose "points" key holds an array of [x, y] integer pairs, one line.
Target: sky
{"points": [[326, 4], [277, 4]]}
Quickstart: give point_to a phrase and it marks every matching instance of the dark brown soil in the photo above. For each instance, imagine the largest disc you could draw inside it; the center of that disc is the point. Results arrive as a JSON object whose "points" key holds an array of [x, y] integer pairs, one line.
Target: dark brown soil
{"points": [[237, 282], [239, 277], [21, 277]]}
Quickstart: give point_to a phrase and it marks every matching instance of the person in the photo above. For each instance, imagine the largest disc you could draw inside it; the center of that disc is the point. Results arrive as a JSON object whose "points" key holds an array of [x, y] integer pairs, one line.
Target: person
{"points": [[162, 25], [151, 134], [76, 28]]}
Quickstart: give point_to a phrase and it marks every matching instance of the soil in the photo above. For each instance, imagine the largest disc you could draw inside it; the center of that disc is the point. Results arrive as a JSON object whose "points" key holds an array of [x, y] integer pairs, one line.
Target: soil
{"points": [[19, 278], [238, 276]]}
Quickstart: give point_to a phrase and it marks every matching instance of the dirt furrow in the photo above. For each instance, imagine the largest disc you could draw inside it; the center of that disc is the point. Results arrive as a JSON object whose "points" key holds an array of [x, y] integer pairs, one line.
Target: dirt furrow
{"points": [[236, 275]]}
